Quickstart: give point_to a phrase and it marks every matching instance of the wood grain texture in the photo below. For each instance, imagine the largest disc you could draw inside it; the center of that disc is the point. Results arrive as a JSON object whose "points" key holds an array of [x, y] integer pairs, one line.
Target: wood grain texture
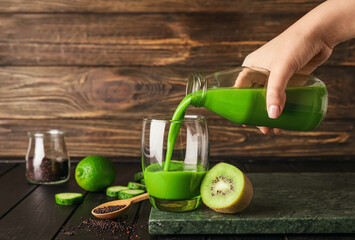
{"points": [[38, 216], [22, 225], [14, 182], [5, 167], [112, 137], [128, 92], [123, 6], [143, 39], [95, 68]]}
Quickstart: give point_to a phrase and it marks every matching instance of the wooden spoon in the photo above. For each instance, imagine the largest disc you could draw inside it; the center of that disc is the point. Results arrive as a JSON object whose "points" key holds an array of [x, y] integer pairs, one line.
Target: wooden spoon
{"points": [[115, 214]]}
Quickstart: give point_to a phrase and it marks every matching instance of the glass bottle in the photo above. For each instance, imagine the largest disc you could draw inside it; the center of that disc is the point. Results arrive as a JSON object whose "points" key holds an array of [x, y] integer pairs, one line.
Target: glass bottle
{"points": [[239, 95], [47, 158]]}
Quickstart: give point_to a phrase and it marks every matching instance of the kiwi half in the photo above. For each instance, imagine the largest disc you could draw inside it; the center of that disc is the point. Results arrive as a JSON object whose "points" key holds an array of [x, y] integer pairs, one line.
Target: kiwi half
{"points": [[226, 189]]}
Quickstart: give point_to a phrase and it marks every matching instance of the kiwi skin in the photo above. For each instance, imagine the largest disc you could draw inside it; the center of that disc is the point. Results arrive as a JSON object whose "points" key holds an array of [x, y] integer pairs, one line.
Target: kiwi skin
{"points": [[243, 200], [238, 202]]}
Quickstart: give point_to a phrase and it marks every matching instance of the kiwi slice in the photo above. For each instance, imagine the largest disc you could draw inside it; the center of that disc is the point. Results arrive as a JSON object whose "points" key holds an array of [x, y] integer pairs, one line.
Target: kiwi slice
{"points": [[68, 198], [125, 194], [133, 185], [226, 189], [113, 191]]}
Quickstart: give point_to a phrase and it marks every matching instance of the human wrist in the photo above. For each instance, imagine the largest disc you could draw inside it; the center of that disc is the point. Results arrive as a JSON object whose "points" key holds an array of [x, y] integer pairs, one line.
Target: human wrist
{"points": [[312, 29], [332, 22]]}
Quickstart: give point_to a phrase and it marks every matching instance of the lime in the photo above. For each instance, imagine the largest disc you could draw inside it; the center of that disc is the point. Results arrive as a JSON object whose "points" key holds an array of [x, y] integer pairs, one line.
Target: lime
{"points": [[95, 173]]}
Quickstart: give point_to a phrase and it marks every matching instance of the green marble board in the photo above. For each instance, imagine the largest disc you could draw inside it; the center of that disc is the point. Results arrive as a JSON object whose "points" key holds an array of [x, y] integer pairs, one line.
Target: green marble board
{"points": [[282, 203]]}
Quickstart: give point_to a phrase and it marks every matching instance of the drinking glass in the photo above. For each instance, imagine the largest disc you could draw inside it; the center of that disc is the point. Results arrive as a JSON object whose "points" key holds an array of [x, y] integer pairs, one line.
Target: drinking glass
{"points": [[47, 158], [174, 185]]}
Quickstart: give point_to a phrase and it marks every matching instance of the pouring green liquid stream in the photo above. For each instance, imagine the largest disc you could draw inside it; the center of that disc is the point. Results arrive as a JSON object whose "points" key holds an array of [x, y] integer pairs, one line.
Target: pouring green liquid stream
{"points": [[179, 115], [304, 109]]}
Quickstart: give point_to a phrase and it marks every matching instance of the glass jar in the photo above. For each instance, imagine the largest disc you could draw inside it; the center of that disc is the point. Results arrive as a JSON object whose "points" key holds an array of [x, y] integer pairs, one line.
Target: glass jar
{"points": [[239, 95], [173, 178], [47, 158]]}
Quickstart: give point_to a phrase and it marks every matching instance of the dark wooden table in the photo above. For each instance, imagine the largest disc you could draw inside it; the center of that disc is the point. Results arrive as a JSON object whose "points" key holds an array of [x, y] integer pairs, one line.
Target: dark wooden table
{"points": [[29, 211]]}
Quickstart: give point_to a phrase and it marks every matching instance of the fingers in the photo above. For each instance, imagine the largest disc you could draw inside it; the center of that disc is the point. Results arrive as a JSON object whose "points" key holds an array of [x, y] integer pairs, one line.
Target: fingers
{"points": [[242, 80], [277, 130], [316, 61], [275, 94], [279, 75], [264, 130], [267, 130]]}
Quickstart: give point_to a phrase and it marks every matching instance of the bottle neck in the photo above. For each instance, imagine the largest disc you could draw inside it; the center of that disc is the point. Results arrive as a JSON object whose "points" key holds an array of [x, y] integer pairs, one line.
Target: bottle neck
{"points": [[196, 87]]}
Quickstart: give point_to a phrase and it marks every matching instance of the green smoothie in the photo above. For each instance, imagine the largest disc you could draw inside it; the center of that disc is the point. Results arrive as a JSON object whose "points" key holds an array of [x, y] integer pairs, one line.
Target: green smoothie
{"points": [[181, 182], [304, 109]]}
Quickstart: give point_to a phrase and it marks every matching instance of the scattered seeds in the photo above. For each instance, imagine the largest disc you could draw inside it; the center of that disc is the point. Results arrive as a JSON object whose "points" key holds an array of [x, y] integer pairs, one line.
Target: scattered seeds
{"points": [[104, 228]]}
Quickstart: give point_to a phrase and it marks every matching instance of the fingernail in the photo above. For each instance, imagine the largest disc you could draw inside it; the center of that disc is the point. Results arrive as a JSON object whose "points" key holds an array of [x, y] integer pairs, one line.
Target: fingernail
{"points": [[273, 111]]}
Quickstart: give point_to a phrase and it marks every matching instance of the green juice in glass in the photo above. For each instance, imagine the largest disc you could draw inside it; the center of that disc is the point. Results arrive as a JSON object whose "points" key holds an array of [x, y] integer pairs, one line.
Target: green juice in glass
{"points": [[174, 185], [181, 182]]}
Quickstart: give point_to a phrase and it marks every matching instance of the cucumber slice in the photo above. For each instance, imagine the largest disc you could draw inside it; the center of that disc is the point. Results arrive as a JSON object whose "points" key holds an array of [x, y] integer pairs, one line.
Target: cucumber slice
{"points": [[138, 176], [133, 185], [125, 194], [68, 198], [113, 191], [143, 181]]}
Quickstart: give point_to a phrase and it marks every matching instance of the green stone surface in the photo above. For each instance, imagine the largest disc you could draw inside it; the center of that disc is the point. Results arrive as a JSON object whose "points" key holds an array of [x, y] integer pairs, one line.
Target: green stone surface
{"points": [[282, 203]]}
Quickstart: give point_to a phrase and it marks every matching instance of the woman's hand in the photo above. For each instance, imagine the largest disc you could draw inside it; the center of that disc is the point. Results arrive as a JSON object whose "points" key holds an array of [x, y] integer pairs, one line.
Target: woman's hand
{"points": [[293, 51], [302, 48]]}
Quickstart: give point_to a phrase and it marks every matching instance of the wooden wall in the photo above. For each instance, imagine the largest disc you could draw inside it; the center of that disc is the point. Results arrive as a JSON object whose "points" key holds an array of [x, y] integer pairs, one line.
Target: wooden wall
{"points": [[95, 68]]}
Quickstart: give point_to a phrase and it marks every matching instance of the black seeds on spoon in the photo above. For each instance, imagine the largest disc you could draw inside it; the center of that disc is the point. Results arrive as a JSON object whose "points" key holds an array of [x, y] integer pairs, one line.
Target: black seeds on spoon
{"points": [[108, 209]]}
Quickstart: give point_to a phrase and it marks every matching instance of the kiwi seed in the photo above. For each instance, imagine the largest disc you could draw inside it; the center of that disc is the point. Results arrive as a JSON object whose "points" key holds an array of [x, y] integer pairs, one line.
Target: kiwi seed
{"points": [[225, 181]]}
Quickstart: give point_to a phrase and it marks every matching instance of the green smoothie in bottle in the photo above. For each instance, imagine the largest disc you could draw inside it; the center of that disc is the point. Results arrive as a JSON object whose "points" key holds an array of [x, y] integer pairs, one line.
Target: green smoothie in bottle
{"points": [[239, 95]]}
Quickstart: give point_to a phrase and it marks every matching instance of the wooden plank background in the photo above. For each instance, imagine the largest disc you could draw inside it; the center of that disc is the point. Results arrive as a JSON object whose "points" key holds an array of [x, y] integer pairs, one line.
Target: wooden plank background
{"points": [[95, 68]]}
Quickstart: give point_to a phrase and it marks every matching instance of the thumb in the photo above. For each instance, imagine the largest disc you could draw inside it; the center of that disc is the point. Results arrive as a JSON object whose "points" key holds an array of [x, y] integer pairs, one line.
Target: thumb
{"points": [[275, 94]]}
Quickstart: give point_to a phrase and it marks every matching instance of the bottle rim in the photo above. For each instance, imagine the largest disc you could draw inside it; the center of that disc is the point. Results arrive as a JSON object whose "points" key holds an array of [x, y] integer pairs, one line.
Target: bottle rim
{"points": [[167, 119], [52, 132], [197, 82]]}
